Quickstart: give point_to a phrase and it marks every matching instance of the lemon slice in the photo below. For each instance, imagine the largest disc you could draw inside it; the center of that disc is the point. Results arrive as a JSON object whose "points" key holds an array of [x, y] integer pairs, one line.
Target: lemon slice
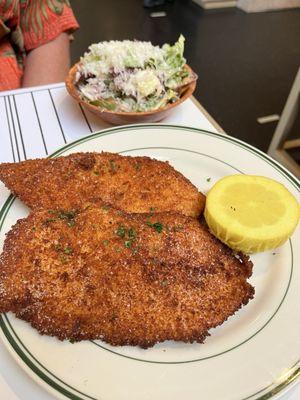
{"points": [[251, 213]]}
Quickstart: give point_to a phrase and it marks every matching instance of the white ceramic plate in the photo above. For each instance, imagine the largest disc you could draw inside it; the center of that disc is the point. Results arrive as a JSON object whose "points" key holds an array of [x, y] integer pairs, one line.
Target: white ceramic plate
{"points": [[254, 355]]}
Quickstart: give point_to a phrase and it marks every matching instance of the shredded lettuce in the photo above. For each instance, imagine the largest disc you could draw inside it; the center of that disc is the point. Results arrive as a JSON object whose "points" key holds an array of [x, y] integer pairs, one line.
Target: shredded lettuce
{"points": [[174, 54]]}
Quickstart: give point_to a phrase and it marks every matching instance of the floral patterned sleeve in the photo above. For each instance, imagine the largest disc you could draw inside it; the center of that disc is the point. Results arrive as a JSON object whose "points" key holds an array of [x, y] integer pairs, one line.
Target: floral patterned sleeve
{"points": [[43, 20], [25, 25], [10, 59]]}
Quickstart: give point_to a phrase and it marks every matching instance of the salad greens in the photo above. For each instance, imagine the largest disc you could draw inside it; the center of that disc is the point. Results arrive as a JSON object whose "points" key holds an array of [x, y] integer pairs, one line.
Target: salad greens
{"points": [[132, 75]]}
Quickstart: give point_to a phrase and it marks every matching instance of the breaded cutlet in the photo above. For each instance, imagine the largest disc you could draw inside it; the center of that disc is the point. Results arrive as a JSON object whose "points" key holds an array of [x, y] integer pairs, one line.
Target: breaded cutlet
{"points": [[126, 279], [132, 184]]}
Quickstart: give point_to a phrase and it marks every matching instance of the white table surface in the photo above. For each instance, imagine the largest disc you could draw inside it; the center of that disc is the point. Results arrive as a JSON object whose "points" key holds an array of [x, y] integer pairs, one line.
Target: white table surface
{"points": [[34, 122]]}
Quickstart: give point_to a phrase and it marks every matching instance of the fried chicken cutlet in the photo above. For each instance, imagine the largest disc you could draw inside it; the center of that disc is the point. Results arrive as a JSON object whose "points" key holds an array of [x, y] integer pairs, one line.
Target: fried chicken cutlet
{"points": [[127, 279], [132, 184]]}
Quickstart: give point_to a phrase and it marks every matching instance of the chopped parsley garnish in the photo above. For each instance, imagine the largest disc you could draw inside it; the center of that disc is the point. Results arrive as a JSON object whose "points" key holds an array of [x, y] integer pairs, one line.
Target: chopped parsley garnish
{"points": [[67, 216], [50, 220], [164, 282], [136, 249], [208, 179], [128, 244], [96, 173], [105, 242], [121, 231], [158, 226], [68, 250], [152, 210], [106, 207], [129, 234]]}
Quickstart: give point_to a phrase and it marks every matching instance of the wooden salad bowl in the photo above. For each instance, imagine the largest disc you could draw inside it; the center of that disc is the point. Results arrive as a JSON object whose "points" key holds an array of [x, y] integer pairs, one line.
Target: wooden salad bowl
{"points": [[121, 117]]}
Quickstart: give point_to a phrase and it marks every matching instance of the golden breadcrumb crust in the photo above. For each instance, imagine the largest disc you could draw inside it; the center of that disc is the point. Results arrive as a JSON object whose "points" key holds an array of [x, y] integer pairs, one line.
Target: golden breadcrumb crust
{"points": [[126, 279], [133, 184]]}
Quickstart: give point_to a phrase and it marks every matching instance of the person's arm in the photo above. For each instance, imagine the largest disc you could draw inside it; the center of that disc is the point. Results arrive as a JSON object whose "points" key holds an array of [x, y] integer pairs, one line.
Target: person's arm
{"points": [[48, 63]]}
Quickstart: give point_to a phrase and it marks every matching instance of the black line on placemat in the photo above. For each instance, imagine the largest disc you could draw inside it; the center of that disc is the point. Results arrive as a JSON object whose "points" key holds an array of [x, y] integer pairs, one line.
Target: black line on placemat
{"points": [[56, 113], [20, 130], [14, 128], [9, 130], [85, 117], [38, 118]]}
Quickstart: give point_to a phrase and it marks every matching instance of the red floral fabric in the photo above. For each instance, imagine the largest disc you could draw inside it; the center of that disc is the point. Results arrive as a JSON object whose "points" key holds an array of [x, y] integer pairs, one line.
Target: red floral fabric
{"points": [[25, 25]]}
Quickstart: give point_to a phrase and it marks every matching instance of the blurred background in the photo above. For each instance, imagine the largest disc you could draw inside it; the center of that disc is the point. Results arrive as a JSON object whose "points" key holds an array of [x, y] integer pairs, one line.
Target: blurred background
{"points": [[246, 62]]}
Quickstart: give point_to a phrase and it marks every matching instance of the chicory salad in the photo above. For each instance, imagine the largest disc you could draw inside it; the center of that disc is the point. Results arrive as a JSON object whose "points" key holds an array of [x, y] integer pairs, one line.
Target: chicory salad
{"points": [[132, 76]]}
